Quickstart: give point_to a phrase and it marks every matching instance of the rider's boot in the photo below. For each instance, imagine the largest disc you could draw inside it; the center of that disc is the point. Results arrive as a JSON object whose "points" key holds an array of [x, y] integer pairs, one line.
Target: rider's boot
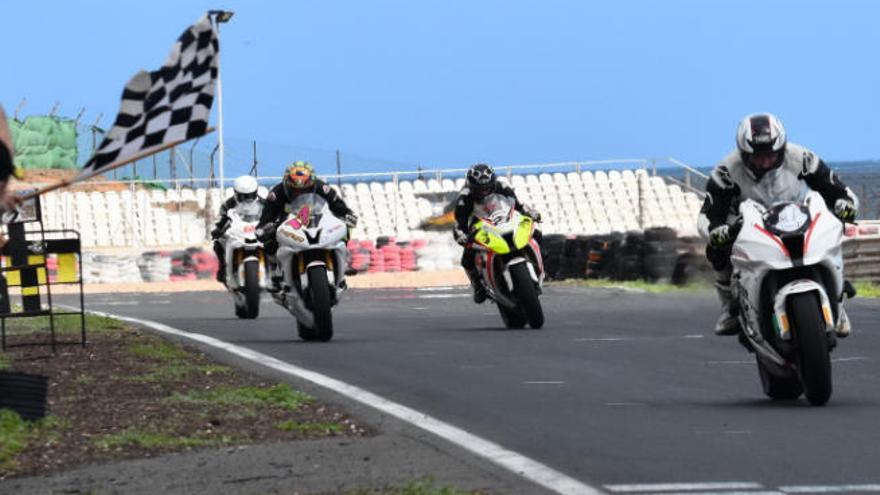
{"points": [[221, 273], [343, 263], [477, 286], [844, 327], [275, 277], [727, 323]]}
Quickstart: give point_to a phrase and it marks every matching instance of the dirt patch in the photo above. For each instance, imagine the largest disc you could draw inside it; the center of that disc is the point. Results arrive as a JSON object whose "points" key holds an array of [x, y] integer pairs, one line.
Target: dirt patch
{"points": [[130, 394]]}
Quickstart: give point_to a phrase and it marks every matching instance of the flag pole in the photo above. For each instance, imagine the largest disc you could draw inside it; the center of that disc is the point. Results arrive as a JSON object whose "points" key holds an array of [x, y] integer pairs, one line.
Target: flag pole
{"points": [[143, 154]]}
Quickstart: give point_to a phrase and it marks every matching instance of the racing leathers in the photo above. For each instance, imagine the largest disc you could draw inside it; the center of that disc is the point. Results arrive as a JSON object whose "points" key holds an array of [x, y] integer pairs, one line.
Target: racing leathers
{"points": [[278, 206], [731, 182], [218, 231], [464, 208]]}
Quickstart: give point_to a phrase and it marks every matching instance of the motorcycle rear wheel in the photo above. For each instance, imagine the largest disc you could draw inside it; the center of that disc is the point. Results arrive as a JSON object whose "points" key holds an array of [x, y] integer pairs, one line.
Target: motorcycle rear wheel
{"points": [[320, 291], [814, 365], [527, 295], [251, 307], [512, 318], [779, 388]]}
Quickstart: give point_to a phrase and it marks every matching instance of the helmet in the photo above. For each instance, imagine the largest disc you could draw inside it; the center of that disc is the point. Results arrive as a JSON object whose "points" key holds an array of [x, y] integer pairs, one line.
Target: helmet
{"points": [[299, 175], [481, 179], [245, 188], [760, 139]]}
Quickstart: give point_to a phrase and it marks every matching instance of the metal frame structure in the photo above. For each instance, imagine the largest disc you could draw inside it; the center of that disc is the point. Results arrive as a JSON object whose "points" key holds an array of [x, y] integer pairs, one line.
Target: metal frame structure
{"points": [[39, 242]]}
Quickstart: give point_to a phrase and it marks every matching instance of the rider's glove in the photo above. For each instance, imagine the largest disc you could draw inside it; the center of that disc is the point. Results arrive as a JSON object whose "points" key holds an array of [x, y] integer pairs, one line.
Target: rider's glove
{"points": [[261, 235], [719, 236], [845, 210], [460, 236], [351, 220], [215, 234], [531, 212]]}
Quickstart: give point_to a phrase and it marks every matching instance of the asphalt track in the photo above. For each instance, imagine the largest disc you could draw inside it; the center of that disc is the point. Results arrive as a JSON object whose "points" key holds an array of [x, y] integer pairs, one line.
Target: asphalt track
{"points": [[627, 392]]}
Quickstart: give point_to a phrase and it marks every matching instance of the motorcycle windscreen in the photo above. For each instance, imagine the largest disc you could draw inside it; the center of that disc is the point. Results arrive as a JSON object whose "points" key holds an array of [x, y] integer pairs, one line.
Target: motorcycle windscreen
{"points": [[249, 211], [314, 205], [777, 186]]}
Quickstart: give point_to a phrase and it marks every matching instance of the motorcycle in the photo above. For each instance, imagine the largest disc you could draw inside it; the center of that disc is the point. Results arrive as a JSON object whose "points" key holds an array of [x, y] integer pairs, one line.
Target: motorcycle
{"points": [[311, 257], [789, 288], [245, 259], [509, 261]]}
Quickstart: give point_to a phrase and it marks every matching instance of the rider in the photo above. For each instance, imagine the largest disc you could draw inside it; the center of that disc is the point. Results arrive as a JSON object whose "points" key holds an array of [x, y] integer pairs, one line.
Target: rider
{"points": [[244, 190], [299, 178], [767, 169], [481, 182]]}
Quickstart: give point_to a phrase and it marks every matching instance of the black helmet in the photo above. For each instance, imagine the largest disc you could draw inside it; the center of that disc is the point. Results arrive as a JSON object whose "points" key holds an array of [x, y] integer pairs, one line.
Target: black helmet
{"points": [[760, 139], [481, 179]]}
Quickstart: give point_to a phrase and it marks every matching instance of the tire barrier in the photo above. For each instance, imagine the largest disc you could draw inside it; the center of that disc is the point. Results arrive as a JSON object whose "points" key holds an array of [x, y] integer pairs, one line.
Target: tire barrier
{"points": [[861, 258], [657, 255]]}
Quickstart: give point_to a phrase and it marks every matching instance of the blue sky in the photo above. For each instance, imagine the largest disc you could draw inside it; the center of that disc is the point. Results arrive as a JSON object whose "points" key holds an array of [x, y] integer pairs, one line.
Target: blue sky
{"points": [[452, 82]]}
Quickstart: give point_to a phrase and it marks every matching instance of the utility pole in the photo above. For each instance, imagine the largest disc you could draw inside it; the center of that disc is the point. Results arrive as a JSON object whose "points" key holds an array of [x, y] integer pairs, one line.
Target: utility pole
{"points": [[338, 171]]}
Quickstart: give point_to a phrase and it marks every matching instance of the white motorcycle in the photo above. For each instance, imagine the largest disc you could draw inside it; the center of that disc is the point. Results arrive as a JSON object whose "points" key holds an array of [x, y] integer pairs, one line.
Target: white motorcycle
{"points": [[788, 283], [245, 259], [312, 260]]}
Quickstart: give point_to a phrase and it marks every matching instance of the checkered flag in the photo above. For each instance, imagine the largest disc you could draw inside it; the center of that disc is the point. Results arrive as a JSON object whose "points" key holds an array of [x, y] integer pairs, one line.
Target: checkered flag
{"points": [[164, 107]]}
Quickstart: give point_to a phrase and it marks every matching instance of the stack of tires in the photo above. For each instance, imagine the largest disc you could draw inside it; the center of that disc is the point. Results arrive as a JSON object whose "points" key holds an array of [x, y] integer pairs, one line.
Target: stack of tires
{"points": [[377, 261], [661, 254], [360, 256], [155, 266], [391, 257], [691, 264], [601, 255], [574, 257], [551, 251], [205, 264], [407, 258], [628, 259]]}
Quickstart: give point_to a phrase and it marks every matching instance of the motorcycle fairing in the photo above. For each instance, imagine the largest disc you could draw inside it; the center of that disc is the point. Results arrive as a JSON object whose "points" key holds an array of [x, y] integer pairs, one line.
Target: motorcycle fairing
{"points": [[780, 316]]}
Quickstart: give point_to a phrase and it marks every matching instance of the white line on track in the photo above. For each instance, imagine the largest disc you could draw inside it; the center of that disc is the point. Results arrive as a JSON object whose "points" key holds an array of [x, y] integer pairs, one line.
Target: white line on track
{"points": [[620, 339], [514, 462], [725, 492], [433, 289], [830, 488], [847, 359], [684, 487]]}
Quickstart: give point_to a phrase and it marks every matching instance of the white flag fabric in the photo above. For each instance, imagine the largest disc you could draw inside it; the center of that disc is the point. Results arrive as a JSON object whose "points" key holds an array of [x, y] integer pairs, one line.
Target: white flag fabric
{"points": [[169, 105]]}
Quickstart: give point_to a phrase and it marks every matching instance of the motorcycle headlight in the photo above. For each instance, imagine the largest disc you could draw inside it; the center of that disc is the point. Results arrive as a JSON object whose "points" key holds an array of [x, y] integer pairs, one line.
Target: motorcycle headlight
{"points": [[787, 219]]}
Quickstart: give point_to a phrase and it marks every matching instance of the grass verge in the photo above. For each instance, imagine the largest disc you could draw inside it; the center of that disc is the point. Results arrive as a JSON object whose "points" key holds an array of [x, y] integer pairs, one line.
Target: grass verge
{"points": [[867, 289], [64, 325], [280, 395], [129, 393], [16, 434], [424, 486]]}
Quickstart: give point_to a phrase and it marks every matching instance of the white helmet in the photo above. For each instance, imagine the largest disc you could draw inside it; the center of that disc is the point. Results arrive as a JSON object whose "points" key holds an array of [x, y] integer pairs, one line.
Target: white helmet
{"points": [[760, 139], [245, 188]]}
